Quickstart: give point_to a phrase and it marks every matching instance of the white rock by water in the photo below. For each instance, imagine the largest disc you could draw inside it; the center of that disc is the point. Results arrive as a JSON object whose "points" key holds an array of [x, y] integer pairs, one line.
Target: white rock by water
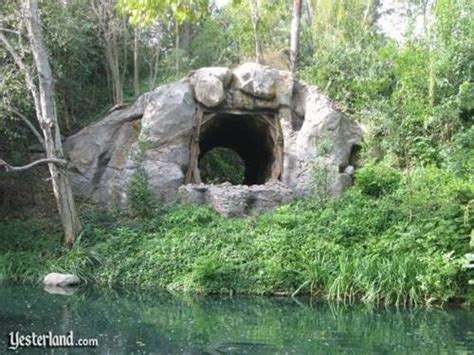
{"points": [[56, 279]]}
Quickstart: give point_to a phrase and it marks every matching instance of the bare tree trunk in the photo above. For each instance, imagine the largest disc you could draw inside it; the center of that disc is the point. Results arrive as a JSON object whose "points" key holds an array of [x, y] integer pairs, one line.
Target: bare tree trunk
{"points": [[310, 12], [110, 28], [295, 35], [152, 59], [136, 74], [187, 38], [254, 6], [123, 33], [49, 124], [66, 117], [431, 64], [111, 54], [176, 45], [153, 65]]}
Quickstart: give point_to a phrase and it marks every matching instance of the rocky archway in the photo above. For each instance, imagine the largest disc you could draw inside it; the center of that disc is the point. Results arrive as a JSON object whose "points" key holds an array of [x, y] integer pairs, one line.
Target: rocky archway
{"points": [[253, 137], [256, 138]]}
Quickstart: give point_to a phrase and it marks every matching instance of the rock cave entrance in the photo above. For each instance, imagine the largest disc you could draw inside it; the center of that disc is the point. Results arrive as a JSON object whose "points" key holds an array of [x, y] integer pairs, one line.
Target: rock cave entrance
{"points": [[255, 138]]}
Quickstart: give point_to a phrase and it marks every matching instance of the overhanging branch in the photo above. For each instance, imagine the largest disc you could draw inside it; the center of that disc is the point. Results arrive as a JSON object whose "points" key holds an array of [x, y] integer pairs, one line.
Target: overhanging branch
{"points": [[10, 168], [30, 125]]}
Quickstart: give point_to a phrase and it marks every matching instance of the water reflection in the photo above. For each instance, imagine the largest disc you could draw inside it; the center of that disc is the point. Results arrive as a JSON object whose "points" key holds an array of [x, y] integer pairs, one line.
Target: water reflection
{"points": [[159, 323], [65, 291]]}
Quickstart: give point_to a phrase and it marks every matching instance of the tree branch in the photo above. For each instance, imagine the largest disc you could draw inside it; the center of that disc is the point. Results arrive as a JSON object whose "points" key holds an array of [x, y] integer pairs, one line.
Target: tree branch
{"points": [[8, 30], [9, 168], [30, 125], [24, 69]]}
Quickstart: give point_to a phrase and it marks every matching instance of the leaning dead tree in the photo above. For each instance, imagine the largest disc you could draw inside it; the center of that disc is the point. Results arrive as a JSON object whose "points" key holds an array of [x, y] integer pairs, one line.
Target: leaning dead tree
{"points": [[40, 83]]}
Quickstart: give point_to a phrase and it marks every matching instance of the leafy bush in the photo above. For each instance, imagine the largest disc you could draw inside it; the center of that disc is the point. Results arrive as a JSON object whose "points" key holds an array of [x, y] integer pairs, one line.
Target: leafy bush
{"points": [[459, 156], [140, 197], [377, 179]]}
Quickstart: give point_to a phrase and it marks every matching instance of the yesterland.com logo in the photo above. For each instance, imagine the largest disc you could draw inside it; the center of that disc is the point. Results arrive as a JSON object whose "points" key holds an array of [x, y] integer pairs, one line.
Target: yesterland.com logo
{"points": [[48, 340]]}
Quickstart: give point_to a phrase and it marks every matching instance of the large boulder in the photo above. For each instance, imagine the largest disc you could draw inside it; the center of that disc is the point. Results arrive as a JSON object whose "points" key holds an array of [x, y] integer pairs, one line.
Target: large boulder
{"points": [[99, 152], [210, 84], [292, 138], [167, 126], [326, 142]]}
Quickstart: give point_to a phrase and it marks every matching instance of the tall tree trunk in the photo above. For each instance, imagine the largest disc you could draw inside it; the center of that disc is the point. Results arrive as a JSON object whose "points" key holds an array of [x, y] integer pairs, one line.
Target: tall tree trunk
{"points": [[295, 35], [187, 38], [176, 46], [111, 53], [153, 65], [111, 31], [136, 75], [122, 34], [254, 6], [49, 124], [310, 12], [431, 64]]}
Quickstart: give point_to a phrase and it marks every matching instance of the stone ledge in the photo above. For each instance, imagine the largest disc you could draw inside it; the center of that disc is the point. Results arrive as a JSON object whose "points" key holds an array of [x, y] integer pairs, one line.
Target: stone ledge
{"points": [[237, 200]]}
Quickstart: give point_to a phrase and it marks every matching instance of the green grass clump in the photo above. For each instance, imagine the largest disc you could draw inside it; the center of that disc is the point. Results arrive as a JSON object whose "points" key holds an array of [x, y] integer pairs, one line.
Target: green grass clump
{"points": [[403, 244]]}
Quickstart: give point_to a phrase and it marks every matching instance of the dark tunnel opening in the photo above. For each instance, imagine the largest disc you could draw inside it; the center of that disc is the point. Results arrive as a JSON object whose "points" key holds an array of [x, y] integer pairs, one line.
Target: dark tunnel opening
{"points": [[249, 136]]}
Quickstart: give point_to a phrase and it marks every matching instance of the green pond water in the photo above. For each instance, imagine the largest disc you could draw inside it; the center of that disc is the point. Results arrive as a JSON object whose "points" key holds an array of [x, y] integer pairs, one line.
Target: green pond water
{"points": [[159, 323]]}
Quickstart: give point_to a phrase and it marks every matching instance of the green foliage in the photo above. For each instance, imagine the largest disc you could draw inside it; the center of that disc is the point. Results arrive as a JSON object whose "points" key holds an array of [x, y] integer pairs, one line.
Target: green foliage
{"points": [[77, 61], [275, 18], [458, 156], [378, 179], [323, 177], [220, 165], [145, 13], [339, 21], [405, 247], [25, 249], [212, 44], [141, 200], [413, 98]]}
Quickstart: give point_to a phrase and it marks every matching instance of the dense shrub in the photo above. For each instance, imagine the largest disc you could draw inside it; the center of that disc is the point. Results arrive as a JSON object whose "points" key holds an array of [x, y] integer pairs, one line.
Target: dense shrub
{"points": [[413, 99], [377, 180], [405, 247]]}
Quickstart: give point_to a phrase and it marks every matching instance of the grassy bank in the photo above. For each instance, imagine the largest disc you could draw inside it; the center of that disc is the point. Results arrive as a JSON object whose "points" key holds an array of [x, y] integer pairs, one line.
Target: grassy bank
{"points": [[391, 239]]}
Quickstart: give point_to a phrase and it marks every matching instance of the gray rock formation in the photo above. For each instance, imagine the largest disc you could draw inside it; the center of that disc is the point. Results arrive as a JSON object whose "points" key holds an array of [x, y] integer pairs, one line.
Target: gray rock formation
{"points": [[237, 200], [287, 133]]}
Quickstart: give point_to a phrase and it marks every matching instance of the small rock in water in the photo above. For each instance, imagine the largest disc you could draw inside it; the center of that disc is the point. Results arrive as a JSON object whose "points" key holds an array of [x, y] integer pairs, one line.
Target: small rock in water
{"points": [[56, 279]]}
